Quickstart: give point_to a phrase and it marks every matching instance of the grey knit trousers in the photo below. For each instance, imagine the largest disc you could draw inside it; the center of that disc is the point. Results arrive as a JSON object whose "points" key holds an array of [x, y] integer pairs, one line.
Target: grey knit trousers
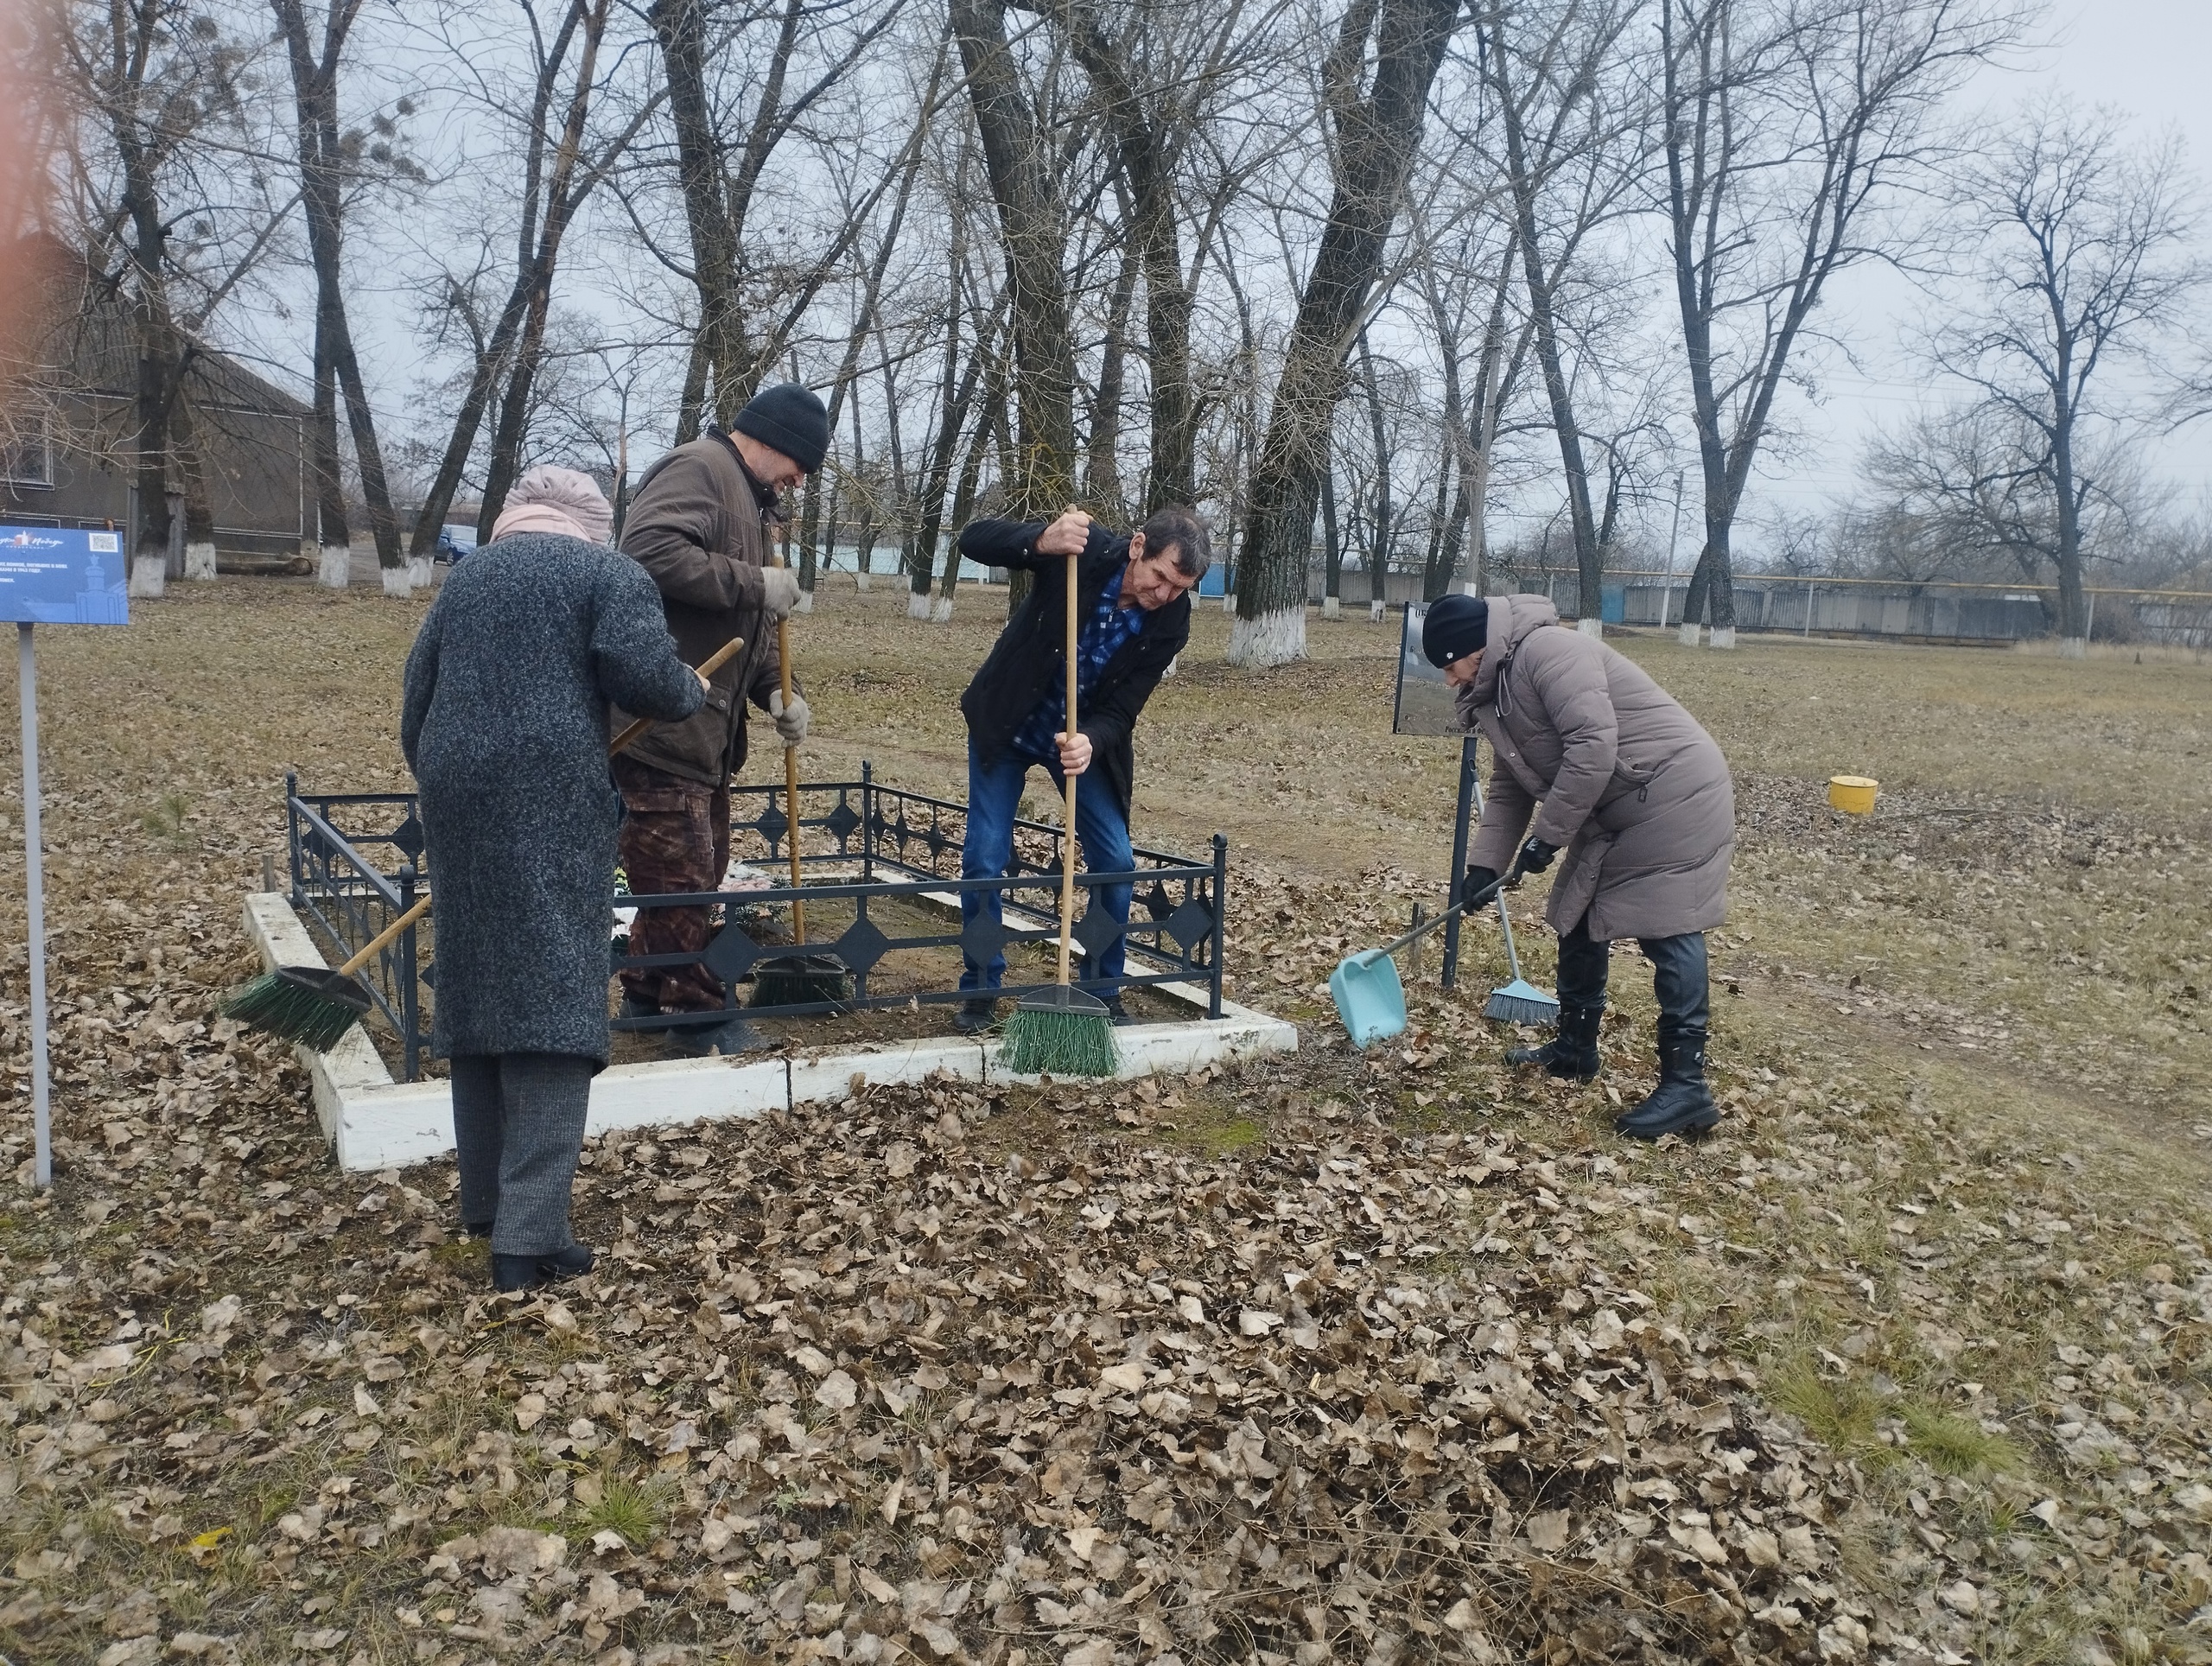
{"points": [[519, 1128]]}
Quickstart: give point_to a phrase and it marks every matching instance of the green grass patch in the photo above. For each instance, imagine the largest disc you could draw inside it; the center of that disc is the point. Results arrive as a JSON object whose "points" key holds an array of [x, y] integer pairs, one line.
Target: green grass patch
{"points": [[1951, 1443], [636, 1508]]}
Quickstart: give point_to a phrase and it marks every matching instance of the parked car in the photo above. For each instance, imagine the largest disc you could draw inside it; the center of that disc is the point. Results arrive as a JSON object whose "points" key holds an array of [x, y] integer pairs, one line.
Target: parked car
{"points": [[454, 541]]}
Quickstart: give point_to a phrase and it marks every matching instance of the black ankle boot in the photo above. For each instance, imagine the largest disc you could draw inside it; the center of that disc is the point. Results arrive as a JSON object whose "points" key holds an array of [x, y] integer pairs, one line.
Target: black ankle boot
{"points": [[531, 1272], [1571, 1054], [1681, 1104]]}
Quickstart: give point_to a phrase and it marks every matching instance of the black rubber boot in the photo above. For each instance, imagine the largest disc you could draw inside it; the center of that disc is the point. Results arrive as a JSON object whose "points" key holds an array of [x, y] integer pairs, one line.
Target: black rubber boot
{"points": [[639, 1006], [1681, 1104], [532, 1272], [975, 1014], [1571, 1054], [729, 1038]]}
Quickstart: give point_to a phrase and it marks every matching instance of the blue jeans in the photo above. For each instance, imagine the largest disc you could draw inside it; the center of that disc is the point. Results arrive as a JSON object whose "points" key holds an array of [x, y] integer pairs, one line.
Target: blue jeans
{"points": [[1101, 831]]}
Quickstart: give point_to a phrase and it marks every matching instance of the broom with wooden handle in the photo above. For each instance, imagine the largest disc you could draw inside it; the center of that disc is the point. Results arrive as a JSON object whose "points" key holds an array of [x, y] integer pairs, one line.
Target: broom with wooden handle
{"points": [[317, 1005], [1063, 1031], [800, 979]]}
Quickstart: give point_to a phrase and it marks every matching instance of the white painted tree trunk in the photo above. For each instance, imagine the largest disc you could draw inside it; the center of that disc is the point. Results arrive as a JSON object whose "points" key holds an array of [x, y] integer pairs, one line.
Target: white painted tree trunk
{"points": [[1274, 639], [199, 560], [1229, 601], [335, 567], [419, 572], [861, 581], [805, 602], [1374, 613], [396, 584], [1331, 607], [1592, 628], [1724, 638], [149, 575], [2069, 647], [917, 604], [942, 613], [1687, 635]]}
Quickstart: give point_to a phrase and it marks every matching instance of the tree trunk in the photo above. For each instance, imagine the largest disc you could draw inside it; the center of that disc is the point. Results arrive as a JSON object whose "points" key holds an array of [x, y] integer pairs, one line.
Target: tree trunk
{"points": [[971, 471], [1332, 547], [323, 171], [1376, 137], [191, 473], [1385, 525], [680, 26], [1102, 468], [1033, 221], [493, 353], [561, 206], [333, 538], [1542, 313]]}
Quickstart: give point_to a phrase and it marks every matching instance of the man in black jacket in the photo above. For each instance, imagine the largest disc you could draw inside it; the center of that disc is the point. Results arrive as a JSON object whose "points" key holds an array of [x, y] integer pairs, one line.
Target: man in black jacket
{"points": [[1132, 616]]}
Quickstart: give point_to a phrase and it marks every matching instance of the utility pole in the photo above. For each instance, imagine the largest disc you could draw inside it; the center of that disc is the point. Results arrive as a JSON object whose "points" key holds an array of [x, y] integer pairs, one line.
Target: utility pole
{"points": [[1667, 595]]}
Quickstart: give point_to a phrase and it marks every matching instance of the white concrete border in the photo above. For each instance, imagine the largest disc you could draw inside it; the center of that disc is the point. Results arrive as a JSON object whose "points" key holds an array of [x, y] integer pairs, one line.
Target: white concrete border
{"points": [[374, 1122]]}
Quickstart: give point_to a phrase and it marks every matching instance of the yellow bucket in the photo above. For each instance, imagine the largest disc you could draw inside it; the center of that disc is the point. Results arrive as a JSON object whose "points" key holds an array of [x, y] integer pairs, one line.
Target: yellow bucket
{"points": [[1853, 794]]}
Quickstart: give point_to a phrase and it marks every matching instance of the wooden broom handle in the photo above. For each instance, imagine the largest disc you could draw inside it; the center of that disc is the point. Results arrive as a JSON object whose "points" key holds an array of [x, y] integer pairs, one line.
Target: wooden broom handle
{"points": [[1067, 833], [707, 667], [790, 753], [383, 939]]}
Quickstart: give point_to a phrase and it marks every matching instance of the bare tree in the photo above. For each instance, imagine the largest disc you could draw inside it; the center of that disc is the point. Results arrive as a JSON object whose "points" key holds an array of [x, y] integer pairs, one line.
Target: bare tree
{"points": [[329, 162], [1787, 126], [1026, 187], [161, 87], [721, 184], [1375, 123], [2085, 260], [1570, 120]]}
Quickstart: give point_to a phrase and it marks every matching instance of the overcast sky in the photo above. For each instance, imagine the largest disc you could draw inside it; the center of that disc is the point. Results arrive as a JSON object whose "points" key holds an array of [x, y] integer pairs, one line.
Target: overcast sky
{"points": [[2148, 58]]}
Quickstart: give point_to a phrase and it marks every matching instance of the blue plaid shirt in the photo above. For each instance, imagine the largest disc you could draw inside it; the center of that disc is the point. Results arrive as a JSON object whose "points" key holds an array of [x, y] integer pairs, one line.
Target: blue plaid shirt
{"points": [[1104, 631]]}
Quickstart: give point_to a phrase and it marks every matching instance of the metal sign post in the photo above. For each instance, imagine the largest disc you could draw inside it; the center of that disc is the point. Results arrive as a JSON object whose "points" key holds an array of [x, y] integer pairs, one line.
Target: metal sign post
{"points": [[1470, 797], [34, 863], [49, 576]]}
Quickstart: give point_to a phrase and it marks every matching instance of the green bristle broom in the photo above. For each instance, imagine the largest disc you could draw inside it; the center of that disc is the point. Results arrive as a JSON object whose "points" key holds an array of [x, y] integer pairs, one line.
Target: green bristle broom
{"points": [[1063, 1031], [801, 979], [315, 1005]]}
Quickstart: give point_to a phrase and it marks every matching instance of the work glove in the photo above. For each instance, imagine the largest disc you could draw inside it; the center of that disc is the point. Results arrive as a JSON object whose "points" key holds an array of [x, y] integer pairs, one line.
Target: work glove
{"points": [[1478, 880], [792, 720], [1536, 856], [778, 591]]}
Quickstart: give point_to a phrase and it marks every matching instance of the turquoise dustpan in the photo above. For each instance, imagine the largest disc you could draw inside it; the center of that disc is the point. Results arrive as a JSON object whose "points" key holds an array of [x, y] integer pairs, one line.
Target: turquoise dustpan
{"points": [[1368, 997], [1365, 987]]}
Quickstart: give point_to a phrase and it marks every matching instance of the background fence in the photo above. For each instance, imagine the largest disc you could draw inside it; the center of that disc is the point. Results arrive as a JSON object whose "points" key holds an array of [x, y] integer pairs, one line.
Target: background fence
{"points": [[1958, 612]]}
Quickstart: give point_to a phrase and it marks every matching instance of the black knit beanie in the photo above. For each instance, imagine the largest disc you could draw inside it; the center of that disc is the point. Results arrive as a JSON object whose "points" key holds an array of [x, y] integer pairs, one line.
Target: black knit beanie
{"points": [[789, 418], [1455, 627]]}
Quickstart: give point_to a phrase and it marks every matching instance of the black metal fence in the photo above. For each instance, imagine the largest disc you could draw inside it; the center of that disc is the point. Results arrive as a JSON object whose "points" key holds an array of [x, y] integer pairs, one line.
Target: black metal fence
{"points": [[883, 851]]}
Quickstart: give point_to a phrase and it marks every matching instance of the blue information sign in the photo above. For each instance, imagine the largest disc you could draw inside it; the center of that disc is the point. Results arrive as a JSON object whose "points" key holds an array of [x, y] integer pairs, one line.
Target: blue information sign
{"points": [[54, 575]]}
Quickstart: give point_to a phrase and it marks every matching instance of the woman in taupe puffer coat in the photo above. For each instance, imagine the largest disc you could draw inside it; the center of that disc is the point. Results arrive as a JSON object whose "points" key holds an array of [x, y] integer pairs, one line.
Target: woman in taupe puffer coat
{"points": [[1637, 795]]}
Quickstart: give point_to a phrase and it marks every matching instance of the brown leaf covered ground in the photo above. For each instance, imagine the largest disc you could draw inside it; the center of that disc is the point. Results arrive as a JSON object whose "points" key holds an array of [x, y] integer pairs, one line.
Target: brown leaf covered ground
{"points": [[1389, 1357]]}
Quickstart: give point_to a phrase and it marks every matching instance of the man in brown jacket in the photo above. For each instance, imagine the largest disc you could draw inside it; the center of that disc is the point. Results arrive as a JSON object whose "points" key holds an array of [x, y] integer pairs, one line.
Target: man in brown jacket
{"points": [[699, 527], [1638, 796]]}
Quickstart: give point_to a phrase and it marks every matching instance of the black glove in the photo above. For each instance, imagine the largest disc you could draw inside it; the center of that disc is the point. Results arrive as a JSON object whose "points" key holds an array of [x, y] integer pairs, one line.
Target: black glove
{"points": [[1536, 856], [1478, 880]]}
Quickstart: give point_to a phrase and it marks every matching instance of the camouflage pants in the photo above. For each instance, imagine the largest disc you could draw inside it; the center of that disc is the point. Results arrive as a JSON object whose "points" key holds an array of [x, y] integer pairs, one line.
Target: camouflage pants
{"points": [[675, 838]]}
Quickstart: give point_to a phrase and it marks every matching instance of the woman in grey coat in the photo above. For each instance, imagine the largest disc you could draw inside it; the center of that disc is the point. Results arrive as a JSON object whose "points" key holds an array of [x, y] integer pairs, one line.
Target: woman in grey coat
{"points": [[505, 724], [1638, 796]]}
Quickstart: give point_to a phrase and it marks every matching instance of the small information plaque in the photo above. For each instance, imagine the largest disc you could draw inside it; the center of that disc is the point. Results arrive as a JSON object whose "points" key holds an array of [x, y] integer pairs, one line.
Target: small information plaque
{"points": [[57, 575]]}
